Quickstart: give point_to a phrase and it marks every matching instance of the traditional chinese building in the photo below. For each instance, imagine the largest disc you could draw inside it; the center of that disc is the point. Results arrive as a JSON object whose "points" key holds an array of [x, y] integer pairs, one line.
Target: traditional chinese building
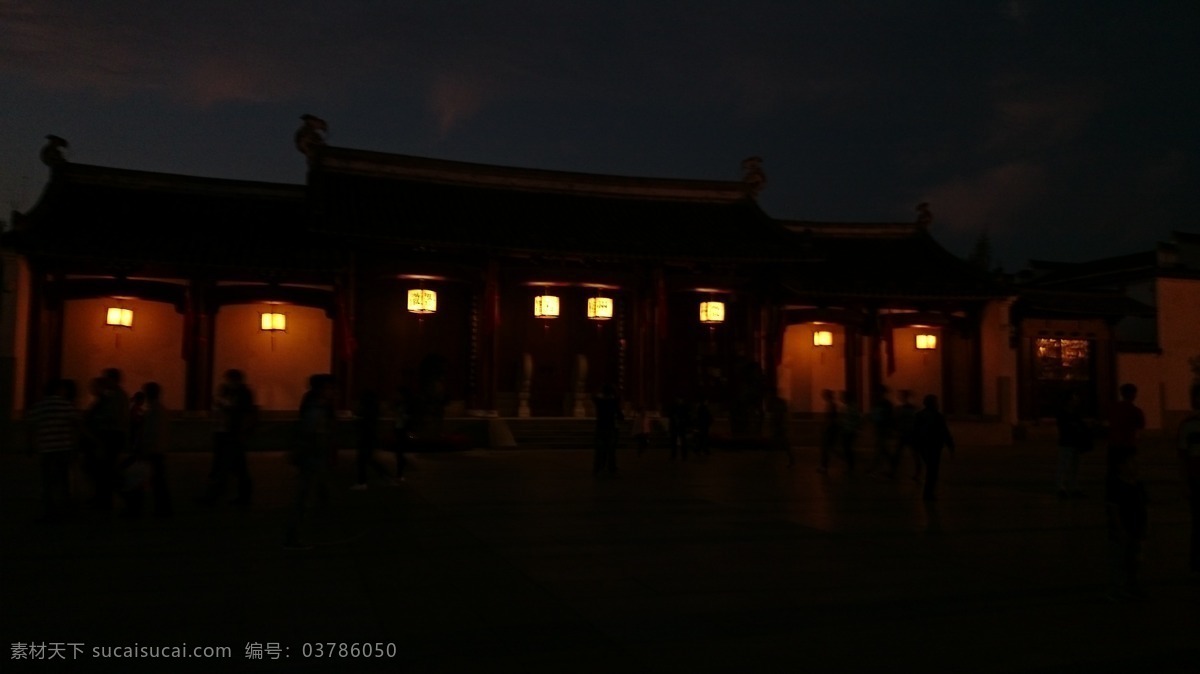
{"points": [[494, 292]]}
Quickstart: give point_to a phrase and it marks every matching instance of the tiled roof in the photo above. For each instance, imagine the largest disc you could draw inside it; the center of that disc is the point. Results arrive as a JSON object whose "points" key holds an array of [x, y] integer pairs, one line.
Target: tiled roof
{"points": [[450, 205], [137, 217]]}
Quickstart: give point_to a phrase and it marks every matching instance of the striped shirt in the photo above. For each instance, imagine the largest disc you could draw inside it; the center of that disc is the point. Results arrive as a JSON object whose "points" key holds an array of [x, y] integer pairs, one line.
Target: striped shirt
{"points": [[54, 420]]}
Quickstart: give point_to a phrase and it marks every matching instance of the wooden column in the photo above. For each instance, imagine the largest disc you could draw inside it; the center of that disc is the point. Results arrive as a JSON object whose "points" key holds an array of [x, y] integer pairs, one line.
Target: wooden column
{"points": [[874, 361], [45, 346], [853, 355], [199, 327], [345, 340], [485, 341]]}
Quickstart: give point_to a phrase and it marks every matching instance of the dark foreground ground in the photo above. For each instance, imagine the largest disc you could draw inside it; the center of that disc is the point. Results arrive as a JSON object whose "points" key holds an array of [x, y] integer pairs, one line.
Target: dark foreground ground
{"points": [[491, 561]]}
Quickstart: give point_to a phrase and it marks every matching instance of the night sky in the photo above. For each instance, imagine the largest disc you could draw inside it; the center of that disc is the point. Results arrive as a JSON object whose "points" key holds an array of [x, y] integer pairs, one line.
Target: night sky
{"points": [[1067, 130]]}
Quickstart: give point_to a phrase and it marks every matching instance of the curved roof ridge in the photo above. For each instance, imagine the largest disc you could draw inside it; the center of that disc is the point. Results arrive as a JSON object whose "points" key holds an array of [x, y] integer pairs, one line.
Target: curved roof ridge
{"points": [[424, 169]]}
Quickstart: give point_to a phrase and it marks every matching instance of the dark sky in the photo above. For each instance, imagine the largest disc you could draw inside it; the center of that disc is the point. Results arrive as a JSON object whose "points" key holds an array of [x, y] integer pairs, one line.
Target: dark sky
{"points": [[1067, 130]]}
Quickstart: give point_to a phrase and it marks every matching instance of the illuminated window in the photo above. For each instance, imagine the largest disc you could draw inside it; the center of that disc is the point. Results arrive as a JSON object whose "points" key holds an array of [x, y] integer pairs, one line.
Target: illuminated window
{"points": [[545, 306], [712, 312], [1062, 359], [274, 322], [119, 318], [600, 308], [926, 341], [822, 338], [421, 301]]}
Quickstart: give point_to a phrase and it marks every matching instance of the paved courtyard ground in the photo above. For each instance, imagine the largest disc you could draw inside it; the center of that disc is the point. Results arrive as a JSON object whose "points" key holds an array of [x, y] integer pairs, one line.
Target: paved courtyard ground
{"points": [[522, 561]]}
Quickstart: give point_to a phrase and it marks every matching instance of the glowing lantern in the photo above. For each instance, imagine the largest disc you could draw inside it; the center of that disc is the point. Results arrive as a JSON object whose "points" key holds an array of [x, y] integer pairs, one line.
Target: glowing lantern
{"points": [[422, 301], [545, 306], [822, 338], [274, 322], [925, 341], [600, 308], [712, 312], [119, 318]]}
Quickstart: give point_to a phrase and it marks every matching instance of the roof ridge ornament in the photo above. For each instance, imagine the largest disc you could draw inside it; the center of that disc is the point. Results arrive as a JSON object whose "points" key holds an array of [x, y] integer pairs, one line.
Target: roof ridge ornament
{"points": [[53, 152], [753, 175], [924, 215], [311, 135]]}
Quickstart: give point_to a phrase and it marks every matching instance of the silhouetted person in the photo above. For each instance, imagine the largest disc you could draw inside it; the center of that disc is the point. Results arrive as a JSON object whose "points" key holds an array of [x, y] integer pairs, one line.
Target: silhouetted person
{"points": [[704, 422], [1074, 438], [930, 435], [851, 418], [55, 425], [608, 416], [831, 429], [112, 430], [153, 443], [642, 427], [679, 422], [779, 419], [367, 439], [312, 454], [235, 414], [137, 409], [882, 419], [1125, 500], [89, 440], [1125, 421], [1189, 458], [905, 414], [402, 435]]}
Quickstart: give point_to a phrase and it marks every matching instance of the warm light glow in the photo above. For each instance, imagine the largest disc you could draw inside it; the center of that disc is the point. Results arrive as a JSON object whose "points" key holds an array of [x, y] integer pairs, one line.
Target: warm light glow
{"points": [[822, 338], [712, 312], [600, 308], [421, 301], [274, 322], [119, 318], [545, 306], [926, 341]]}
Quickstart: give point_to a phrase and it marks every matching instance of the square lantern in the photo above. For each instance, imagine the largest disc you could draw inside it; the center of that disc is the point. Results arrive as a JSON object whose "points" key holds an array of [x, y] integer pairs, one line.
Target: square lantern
{"points": [[545, 306], [274, 322], [600, 308], [119, 318], [422, 301], [926, 341], [712, 312], [822, 338]]}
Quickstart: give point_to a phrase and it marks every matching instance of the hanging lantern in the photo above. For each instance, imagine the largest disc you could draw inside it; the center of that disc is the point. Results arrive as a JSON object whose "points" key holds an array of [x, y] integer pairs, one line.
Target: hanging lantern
{"points": [[274, 322], [926, 341], [545, 306], [600, 308], [822, 338], [422, 301], [119, 318], [712, 312]]}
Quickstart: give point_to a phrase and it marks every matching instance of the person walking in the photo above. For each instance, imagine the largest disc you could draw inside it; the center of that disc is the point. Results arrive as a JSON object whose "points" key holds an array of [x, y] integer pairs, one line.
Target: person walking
{"points": [[55, 427], [1125, 421], [1125, 498], [851, 418], [311, 455], [608, 416], [678, 424], [235, 414], [905, 418], [642, 428], [111, 419], [882, 419], [831, 432], [1189, 459], [152, 444], [367, 440], [1074, 439], [930, 435]]}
